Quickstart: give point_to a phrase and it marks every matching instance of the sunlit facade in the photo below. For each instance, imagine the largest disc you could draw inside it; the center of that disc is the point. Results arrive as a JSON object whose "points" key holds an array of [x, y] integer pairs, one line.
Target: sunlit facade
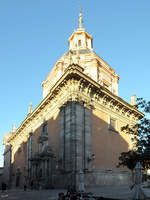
{"points": [[76, 127]]}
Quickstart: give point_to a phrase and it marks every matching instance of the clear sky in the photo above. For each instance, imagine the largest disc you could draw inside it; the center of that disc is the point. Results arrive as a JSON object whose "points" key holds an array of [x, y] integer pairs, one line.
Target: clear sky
{"points": [[34, 34]]}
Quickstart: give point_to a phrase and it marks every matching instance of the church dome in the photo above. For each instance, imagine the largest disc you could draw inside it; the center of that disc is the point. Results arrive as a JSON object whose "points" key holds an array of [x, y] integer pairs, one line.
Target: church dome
{"points": [[81, 52]]}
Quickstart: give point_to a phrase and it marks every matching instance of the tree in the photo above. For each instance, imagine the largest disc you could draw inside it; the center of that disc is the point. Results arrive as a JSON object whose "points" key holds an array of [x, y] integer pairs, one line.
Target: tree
{"points": [[141, 139], [128, 159]]}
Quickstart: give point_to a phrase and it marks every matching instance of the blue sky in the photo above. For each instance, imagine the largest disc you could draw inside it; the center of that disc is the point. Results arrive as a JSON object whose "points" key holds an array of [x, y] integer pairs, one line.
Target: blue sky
{"points": [[34, 34]]}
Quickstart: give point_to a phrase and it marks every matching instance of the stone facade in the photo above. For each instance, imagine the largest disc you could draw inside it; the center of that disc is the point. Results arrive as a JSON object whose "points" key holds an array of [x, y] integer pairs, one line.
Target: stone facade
{"points": [[77, 126]]}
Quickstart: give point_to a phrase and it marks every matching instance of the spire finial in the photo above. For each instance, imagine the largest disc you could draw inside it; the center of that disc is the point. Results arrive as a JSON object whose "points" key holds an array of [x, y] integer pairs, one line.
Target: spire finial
{"points": [[14, 128], [133, 100], [80, 18], [30, 108]]}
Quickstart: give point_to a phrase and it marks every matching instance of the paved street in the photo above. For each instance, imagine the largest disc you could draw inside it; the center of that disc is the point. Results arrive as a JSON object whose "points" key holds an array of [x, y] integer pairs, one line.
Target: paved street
{"points": [[30, 194], [122, 192]]}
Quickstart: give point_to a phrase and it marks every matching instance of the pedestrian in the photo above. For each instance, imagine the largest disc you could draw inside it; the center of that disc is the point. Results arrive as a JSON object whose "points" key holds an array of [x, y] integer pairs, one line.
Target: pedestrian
{"points": [[31, 185], [68, 195], [61, 196], [25, 187], [4, 186]]}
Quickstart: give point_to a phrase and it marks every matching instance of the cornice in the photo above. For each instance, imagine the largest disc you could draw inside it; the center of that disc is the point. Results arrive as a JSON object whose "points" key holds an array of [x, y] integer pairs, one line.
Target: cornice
{"points": [[79, 32], [74, 85]]}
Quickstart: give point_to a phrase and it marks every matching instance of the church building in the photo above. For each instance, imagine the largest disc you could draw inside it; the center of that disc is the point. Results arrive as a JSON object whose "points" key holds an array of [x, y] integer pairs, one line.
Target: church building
{"points": [[75, 128]]}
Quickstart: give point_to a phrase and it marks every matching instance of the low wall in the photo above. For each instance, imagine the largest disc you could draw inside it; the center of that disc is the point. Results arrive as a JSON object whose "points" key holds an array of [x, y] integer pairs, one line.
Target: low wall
{"points": [[107, 178]]}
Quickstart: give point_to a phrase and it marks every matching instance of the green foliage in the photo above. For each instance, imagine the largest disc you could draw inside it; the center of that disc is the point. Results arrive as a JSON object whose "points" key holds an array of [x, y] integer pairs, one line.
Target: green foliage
{"points": [[140, 133], [128, 159]]}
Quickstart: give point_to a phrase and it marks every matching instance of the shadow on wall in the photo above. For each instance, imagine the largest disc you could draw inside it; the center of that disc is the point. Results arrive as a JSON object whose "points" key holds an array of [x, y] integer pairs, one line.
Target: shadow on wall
{"points": [[37, 163], [107, 143], [31, 157], [107, 140]]}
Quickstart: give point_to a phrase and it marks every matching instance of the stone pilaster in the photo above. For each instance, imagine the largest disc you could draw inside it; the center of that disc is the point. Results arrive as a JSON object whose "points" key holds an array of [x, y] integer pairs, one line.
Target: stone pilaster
{"points": [[87, 132], [67, 136], [75, 139]]}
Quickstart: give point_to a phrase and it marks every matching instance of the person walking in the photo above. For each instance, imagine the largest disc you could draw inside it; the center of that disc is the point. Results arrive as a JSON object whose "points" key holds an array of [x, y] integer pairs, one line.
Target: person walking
{"points": [[4, 186]]}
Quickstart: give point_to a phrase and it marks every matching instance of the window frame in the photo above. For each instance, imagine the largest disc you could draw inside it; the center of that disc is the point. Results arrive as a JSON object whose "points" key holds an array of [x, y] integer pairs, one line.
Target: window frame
{"points": [[113, 127], [79, 43], [44, 130]]}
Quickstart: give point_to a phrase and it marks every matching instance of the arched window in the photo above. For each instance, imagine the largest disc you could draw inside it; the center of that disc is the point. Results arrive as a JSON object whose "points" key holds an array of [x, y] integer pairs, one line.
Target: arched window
{"points": [[79, 43]]}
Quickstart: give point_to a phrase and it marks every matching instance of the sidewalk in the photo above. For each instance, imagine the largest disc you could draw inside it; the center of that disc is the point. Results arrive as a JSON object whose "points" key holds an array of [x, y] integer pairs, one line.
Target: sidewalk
{"points": [[117, 192], [20, 194], [121, 192]]}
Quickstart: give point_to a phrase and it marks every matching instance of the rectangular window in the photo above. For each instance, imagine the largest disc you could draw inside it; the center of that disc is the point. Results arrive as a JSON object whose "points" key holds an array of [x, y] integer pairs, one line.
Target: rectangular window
{"points": [[45, 128], [112, 124]]}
